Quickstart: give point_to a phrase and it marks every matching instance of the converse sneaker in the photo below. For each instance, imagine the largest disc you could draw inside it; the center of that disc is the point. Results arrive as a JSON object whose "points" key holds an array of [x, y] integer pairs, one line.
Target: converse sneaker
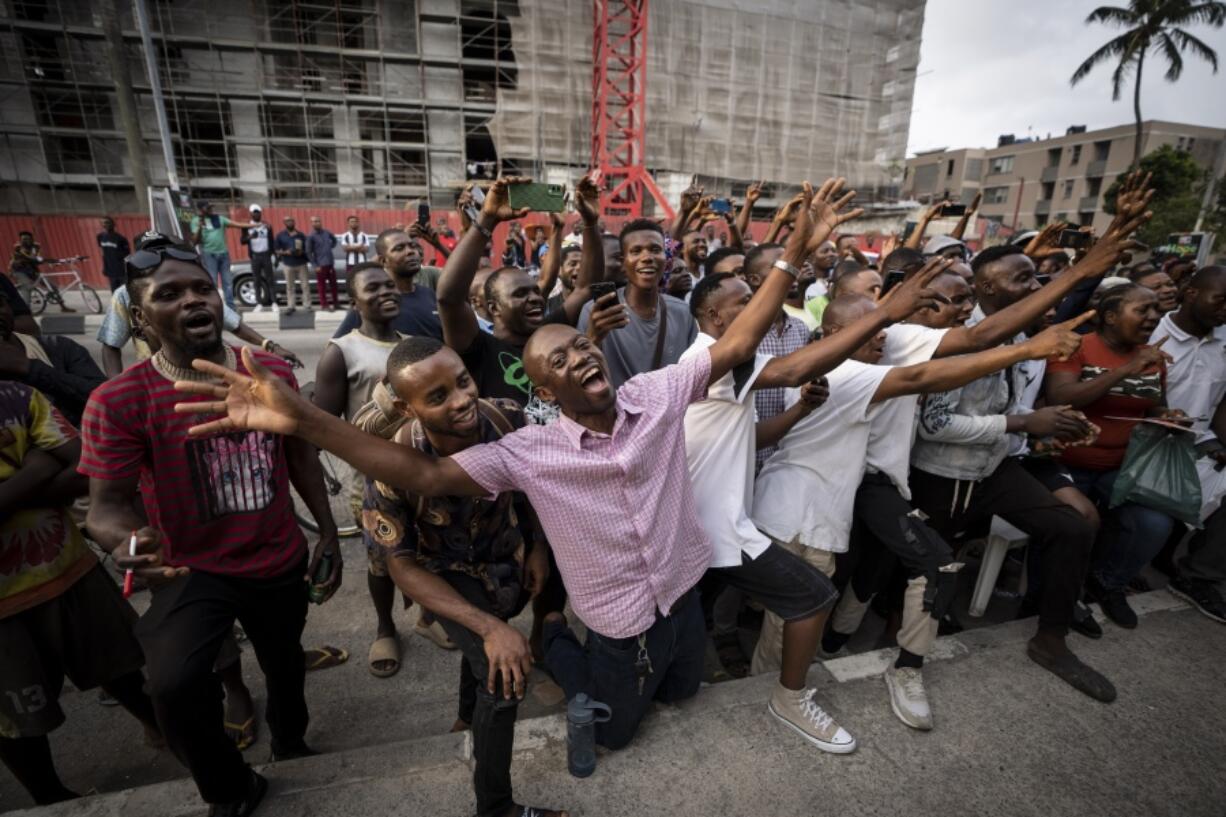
{"points": [[1201, 595], [907, 696], [798, 710]]}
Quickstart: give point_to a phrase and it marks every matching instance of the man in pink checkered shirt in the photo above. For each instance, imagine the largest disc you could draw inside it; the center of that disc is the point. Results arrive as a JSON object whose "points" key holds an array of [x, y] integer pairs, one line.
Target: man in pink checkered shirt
{"points": [[609, 482]]}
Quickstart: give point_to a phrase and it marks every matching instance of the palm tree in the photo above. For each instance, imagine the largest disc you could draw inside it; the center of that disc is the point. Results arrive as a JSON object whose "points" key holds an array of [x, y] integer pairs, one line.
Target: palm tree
{"points": [[1154, 26]]}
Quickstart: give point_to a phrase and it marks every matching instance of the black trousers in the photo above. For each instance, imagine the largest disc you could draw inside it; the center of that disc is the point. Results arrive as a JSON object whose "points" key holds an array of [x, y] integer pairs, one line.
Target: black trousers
{"points": [[491, 715], [1063, 538], [265, 278], [182, 633]]}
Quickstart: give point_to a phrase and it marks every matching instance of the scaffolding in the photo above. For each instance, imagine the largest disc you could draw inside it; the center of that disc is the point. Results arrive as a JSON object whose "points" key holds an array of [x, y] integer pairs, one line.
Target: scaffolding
{"points": [[376, 103]]}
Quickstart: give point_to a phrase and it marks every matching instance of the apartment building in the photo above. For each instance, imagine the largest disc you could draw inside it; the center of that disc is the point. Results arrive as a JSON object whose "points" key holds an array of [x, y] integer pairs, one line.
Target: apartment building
{"points": [[1027, 183]]}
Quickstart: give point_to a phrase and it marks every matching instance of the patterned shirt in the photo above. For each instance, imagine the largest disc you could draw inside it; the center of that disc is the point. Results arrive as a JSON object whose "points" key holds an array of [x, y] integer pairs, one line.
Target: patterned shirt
{"points": [[482, 538], [221, 502], [777, 343], [618, 509], [41, 551]]}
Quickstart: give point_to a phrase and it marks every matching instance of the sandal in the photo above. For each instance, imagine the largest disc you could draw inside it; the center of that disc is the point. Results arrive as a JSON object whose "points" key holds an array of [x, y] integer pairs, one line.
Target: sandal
{"points": [[435, 632], [324, 657], [243, 734], [731, 656], [384, 657]]}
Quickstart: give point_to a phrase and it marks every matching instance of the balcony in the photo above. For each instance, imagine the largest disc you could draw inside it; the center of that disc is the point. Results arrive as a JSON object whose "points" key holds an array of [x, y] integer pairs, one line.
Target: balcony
{"points": [[1042, 207], [1050, 173], [1095, 170], [1087, 204]]}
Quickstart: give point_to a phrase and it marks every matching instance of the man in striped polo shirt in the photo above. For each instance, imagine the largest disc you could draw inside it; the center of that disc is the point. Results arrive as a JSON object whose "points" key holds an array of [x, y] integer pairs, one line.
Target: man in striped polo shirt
{"points": [[220, 542]]}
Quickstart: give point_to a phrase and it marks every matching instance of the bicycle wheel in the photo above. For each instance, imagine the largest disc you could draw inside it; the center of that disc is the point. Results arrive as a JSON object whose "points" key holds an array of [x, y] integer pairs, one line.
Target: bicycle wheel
{"points": [[37, 301], [92, 302], [339, 476]]}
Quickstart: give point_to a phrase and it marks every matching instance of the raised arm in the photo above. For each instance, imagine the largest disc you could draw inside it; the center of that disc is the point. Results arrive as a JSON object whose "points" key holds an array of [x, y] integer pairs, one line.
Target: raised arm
{"points": [[916, 239], [819, 357], [998, 327], [950, 373], [264, 402], [691, 200], [551, 264], [591, 265], [745, 216], [783, 217], [455, 312], [960, 228]]}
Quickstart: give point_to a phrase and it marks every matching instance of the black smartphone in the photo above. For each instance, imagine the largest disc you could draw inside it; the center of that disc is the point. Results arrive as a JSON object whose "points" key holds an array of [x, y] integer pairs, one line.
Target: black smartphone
{"points": [[892, 279], [602, 288], [1074, 239], [958, 210], [423, 214]]}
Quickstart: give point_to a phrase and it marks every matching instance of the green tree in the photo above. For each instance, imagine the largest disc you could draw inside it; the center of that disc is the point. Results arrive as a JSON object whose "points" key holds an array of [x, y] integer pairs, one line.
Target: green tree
{"points": [[1178, 183], [1153, 27]]}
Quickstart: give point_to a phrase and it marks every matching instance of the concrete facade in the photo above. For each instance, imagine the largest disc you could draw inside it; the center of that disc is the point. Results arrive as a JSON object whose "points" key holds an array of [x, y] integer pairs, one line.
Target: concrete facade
{"points": [[378, 103], [1026, 184]]}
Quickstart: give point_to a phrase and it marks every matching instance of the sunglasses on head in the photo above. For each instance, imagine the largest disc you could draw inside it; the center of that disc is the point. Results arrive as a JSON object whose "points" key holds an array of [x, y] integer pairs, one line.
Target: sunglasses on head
{"points": [[152, 257]]}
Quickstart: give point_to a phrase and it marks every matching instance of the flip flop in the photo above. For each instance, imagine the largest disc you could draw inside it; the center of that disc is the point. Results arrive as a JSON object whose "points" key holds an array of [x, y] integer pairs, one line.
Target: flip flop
{"points": [[324, 657], [383, 649], [243, 734]]}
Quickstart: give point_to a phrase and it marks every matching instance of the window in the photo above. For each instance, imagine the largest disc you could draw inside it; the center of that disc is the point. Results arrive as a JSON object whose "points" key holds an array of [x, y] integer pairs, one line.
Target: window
{"points": [[1085, 219], [296, 121], [68, 154], [1076, 155], [1102, 150], [949, 168], [1094, 186], [996, 195], [1001, 164], [68, 109], [1048, 191], [1053, 157], [1040, 221], [1068, 189]]}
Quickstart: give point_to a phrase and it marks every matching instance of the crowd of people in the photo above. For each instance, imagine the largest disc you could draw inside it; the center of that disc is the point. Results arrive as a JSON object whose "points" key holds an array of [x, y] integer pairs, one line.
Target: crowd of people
{"points": [[638, 435]]}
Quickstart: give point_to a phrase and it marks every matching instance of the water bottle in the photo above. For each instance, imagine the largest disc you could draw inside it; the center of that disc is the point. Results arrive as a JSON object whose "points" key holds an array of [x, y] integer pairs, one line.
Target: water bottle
{"points": [[582, 715]]}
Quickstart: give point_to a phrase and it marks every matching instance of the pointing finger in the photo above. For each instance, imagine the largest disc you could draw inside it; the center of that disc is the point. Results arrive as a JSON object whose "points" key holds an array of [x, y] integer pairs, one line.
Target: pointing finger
{"points": [[1080, 319]]}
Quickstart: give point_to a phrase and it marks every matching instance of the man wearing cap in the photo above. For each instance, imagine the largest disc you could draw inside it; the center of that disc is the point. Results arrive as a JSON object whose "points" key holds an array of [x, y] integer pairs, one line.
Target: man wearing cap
{"points": [[945, 246], [209, 233], [258, 238]]}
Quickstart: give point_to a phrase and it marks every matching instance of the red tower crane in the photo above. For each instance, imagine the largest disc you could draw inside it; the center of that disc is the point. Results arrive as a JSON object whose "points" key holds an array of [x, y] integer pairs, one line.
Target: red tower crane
{"points": [[619, 97]]}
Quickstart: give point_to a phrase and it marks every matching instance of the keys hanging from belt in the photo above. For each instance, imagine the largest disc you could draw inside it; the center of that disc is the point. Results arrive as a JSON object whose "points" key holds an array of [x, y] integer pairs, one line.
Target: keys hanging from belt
{"points": [[642, 664]]}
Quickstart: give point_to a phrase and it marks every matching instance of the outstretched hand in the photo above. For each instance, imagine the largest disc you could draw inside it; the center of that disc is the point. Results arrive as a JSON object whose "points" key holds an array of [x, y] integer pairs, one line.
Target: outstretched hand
{"points": [[260, 401], [1060, 340], [828, 211], [498, 200], [587, 199], [913, 293]]}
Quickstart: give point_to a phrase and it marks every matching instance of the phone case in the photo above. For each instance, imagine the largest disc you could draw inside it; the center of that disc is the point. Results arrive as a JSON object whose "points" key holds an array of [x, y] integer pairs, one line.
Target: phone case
{"points": [[538, 197]]}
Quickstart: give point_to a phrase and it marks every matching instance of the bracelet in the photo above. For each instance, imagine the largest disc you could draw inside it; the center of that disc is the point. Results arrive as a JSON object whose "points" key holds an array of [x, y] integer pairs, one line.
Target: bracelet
{"points": [[267, 345], [475, 217], [786, 267]]}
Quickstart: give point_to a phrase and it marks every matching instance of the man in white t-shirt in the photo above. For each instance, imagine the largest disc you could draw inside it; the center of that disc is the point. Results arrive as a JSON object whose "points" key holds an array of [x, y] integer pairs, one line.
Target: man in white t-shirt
{"points": [[355, 243], [720, 437], [840, 433]]}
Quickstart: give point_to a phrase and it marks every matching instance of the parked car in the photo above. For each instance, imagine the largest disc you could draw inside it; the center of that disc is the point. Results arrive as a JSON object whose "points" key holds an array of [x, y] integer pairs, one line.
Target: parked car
{"points": [[245, 294]]}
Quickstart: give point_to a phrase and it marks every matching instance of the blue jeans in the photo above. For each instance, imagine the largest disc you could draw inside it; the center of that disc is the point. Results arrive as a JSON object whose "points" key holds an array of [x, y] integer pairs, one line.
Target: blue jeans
{"points": [[1131, 534], [604, 667], [218, 265]]}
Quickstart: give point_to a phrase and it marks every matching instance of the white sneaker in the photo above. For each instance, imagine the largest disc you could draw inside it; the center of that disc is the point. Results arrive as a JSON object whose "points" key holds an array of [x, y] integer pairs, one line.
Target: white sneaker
{"points": [[258, 308], [799, 712], [907, 696], [275, 309]]}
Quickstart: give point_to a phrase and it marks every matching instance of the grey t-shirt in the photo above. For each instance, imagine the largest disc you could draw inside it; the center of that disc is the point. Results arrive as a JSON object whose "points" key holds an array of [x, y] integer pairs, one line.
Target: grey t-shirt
{"points": [[630, 350]]}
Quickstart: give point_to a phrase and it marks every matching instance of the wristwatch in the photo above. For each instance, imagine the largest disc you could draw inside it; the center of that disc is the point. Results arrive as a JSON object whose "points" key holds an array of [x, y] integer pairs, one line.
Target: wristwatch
{"points": [[786, 267]]}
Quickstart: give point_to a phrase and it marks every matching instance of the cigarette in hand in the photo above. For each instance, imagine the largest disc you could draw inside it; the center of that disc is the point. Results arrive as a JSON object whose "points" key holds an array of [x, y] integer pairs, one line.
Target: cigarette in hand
{"points": [[127, 576]]}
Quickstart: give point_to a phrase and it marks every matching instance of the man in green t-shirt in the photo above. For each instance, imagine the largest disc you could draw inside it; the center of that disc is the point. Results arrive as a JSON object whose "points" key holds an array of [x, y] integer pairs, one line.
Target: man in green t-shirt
{"points": [[209, 233]]}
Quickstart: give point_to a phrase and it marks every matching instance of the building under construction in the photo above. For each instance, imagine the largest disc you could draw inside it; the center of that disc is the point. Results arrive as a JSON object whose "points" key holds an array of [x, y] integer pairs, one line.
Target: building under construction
{"points": [[373, 103]]}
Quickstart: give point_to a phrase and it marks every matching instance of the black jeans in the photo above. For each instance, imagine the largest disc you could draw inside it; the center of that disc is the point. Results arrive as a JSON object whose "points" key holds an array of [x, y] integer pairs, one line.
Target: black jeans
{"points": [[491, 716], [1063, 538], [181, 635], [265, 278], [604, 667]]}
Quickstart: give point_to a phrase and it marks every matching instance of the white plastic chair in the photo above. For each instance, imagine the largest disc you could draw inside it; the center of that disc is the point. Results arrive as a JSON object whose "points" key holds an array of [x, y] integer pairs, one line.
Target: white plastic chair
{"points": [[1003, 537]]}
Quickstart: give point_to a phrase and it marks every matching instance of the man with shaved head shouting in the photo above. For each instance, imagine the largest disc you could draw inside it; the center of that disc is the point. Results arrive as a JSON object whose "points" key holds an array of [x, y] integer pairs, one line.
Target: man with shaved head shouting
{"points": [[609, 481]]}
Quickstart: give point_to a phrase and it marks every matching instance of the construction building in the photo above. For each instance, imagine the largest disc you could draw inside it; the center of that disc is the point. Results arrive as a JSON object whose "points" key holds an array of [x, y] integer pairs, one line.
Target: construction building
{"points": [[1028, 182], [373, 103]]}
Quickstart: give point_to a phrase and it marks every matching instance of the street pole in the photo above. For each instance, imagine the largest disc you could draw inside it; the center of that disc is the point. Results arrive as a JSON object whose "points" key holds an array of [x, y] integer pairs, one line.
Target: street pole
{"points": [[155, 87], [128, 113]]}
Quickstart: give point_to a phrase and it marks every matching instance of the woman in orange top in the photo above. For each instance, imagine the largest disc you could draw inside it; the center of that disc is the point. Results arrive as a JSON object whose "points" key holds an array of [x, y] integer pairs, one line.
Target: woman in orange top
{"points": [[1115, 374]]}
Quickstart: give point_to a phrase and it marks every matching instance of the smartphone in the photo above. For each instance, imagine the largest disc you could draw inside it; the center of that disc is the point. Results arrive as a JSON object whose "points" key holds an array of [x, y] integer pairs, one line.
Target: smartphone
{"points": [[602, 288], [892, 279], [423, 214], [958, 210], [1074, 239], [538, 197], [720, 206]]}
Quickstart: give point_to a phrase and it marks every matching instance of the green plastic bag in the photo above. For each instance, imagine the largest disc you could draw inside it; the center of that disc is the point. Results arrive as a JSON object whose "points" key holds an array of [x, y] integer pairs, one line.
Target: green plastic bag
{"points": [[1159, 472]]}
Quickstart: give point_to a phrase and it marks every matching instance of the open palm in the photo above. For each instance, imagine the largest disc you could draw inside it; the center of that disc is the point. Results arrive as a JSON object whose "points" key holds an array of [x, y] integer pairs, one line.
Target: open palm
{"points": [[260, 402]]}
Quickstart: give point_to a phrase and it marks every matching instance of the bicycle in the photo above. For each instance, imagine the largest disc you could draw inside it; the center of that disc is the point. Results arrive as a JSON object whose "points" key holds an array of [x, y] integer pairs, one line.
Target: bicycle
{"points": [[338, 477], [44, 290]]}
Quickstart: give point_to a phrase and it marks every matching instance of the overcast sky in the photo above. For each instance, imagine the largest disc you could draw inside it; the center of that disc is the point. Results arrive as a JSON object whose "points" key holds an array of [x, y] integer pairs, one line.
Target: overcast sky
{"points": [[989, 67]]}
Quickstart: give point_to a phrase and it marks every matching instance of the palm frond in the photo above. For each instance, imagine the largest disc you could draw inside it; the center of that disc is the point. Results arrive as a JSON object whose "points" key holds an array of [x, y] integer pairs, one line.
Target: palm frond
{"points": [[1187, 42], [1113, 15], [1207, 13], [1124, 48], [1174, 60]]}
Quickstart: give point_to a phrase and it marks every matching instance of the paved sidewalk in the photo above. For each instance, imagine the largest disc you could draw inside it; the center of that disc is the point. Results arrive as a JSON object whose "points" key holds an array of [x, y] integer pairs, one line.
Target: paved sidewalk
{"points": [[1010, 740]]}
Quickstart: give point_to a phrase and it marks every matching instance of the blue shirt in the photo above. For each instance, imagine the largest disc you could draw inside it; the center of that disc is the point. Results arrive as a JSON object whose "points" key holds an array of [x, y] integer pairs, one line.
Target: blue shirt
{"points": [[319, 246], [418, 316], [295, 245]]}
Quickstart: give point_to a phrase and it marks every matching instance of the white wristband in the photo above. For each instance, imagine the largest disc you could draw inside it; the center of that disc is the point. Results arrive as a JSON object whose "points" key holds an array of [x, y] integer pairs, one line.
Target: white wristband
{"points": [[786, 267]]}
